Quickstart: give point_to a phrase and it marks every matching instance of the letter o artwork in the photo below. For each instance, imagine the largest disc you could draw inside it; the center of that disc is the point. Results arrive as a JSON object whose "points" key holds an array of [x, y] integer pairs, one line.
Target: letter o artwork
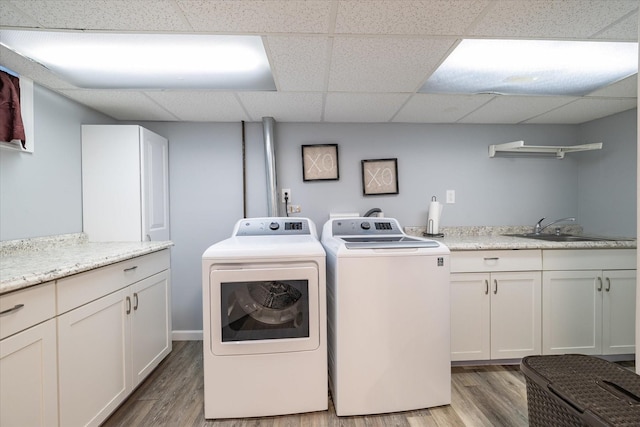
{"points": [[320, 162], [380, 177]]}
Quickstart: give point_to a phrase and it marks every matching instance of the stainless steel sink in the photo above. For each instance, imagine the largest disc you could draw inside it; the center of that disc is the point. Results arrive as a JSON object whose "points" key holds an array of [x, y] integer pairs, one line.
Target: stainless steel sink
{"points": [[565, 237]]}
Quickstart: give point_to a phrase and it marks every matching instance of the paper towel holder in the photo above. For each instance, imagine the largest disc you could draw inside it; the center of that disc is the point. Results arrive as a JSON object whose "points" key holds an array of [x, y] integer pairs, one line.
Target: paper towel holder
{"points": [[430, 225]]}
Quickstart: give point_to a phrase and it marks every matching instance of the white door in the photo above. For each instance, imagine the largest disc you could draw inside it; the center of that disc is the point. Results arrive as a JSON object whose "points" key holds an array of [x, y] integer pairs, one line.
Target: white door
{"points": [[155, 186], [572, 312], [470, 316], [619, 312], [515, 314], [262, 310]]}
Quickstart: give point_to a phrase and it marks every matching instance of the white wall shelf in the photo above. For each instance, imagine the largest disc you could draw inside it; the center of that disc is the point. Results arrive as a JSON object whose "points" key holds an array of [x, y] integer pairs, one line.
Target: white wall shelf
{"points": [[555, 151]]}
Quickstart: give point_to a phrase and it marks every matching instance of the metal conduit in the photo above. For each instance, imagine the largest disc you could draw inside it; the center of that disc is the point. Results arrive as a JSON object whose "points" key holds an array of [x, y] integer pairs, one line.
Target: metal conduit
{"points": [[270, 160]]}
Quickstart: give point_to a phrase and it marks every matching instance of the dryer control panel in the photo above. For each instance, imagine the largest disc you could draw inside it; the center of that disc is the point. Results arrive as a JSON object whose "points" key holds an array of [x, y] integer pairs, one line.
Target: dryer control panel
{"points": [[273, 227], [365, 226]]}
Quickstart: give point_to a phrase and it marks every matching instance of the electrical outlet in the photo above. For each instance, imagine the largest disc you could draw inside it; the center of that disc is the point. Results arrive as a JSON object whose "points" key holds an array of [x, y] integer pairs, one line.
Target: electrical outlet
{"points": [[451, 196], [286, 191], [294, 209]]}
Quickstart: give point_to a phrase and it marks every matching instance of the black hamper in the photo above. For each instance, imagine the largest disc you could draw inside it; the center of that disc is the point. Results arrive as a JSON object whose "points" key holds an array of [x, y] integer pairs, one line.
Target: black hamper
{"points": [[578, 390]]}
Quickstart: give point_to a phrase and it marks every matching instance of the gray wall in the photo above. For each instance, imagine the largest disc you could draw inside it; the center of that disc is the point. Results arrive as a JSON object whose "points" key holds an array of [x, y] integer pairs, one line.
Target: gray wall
{"points": [[607, 190], [41, 193]]}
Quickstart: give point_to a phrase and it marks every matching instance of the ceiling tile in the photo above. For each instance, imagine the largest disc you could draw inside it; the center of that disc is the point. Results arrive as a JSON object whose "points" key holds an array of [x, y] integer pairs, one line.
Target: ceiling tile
{"points": [[143, 15], [438, 108], [199, 105], [250, 16], [299, 63], [411, 17], [585, 109], [284, 107], [362, 107], [394, 64], [627, 29], [121, 105], [515, 109], [12, 17], [626, 88], [577, 19]]}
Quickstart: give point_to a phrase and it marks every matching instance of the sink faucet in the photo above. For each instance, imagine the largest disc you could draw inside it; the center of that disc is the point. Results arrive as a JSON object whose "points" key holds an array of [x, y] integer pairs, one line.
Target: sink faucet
{"points": [[537, 229]]}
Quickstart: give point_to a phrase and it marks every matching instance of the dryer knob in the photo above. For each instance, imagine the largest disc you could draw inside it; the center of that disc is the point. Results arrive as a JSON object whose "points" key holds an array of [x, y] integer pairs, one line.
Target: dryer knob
{"points": [[365, 225], [274, 226]]}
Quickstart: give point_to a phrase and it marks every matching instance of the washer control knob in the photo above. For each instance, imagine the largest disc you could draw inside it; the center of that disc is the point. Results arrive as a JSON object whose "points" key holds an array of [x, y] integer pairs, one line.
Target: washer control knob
{"points": [[274, 226], [365, 225]]}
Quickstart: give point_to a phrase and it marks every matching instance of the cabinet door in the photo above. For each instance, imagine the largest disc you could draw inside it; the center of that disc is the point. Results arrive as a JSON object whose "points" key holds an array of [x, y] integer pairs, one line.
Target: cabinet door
{"points": [[150, 324], [28, 381], [470, 316], [515, 314], [155, 186], [93, 361], [572, 312], [619, 312]]}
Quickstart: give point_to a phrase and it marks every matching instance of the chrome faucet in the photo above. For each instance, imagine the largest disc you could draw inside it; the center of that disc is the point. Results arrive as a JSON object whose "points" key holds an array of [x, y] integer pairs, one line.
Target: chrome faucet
{"points": [[537, 229]]}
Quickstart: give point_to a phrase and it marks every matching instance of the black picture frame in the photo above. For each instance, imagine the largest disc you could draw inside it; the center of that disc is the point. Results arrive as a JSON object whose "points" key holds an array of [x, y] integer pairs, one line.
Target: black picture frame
{"points": [[320, 162], [380, 177]]}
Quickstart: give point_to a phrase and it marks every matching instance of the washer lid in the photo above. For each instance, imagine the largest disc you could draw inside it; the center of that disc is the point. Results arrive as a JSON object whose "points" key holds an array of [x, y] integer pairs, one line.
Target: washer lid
{"points": [[387, 242]]}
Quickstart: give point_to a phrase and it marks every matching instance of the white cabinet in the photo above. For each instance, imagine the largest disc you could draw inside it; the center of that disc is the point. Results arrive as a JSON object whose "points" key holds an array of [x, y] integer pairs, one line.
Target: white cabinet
{"points": [[125, 183], [110, 344], [28, 380], [589, 301], [495, 304]]}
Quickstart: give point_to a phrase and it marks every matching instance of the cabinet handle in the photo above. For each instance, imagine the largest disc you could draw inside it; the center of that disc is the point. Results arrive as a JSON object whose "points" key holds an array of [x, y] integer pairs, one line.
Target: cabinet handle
{"points": [[135, 301], [130, 268], [12, 309], [491, 258], [600, 284], [608, 288], [495, 289], [486, 287], [128, 305]]}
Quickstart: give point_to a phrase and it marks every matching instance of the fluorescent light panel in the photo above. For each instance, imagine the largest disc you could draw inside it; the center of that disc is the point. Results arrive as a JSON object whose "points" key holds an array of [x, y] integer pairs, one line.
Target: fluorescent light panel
{"points": [[533, 67], [147, 61]]}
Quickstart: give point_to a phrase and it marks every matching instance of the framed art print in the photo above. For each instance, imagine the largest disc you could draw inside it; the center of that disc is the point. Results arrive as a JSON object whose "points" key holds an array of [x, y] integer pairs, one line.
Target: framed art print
{"points": [[380, 176], [320, 162]]}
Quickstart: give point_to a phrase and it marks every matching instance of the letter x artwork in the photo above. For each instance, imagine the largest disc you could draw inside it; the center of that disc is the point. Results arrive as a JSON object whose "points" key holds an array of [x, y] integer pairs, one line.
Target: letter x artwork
{"points": [[320, 162], [380, 177]]}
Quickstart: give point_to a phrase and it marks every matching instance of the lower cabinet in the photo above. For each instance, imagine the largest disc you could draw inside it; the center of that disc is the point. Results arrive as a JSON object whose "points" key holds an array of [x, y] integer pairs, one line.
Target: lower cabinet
{"points": [[495, 315], [589, 312], [28, 381], [108, 346]]}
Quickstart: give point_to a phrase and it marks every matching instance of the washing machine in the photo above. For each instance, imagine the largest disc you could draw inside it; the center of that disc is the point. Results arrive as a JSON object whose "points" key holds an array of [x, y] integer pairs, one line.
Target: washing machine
{"points": [[388, 317], [264, 320]]}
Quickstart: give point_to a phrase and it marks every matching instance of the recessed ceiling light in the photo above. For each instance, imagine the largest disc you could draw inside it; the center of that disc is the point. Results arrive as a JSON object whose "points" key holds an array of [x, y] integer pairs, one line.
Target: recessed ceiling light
{"points": [[147, 61], [533, 67]]}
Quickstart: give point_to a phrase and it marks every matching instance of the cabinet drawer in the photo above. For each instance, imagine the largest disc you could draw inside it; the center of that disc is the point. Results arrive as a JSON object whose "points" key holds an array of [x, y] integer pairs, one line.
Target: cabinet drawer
{"points": [[486, 261], [74, 291], [27, 308], [589, 259]]}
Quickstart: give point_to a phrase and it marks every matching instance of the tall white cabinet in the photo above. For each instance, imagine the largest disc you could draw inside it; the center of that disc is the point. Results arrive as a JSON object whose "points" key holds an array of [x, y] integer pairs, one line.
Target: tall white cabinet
{"points": [[125, 183]]}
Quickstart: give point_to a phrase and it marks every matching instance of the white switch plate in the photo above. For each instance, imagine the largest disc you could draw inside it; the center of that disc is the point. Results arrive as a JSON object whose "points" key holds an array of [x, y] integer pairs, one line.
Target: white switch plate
{"points": [[294, 209], [451, 196]]}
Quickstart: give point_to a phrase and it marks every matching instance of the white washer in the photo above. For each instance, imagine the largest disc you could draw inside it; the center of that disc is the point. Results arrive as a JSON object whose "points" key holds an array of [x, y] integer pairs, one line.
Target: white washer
{"points": [[388, 317], [264, 310]]}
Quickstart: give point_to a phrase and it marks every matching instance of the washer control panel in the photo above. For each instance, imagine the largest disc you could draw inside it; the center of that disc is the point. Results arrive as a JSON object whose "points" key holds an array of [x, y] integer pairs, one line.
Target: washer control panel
{"points": [[272, 227], [365, 226]]}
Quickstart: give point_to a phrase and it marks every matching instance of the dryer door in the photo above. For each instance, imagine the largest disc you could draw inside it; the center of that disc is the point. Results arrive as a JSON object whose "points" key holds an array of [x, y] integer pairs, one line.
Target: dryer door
{"points": [[264, 310]]}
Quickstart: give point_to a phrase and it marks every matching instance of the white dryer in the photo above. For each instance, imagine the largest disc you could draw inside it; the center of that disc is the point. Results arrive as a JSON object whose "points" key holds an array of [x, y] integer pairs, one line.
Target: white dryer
{"points": [[388, 317], [264, 312]]}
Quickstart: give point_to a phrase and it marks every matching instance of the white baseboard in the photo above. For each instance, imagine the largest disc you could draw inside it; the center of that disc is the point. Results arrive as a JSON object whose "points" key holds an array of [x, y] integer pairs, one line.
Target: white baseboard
{"points": [[186, 335]]}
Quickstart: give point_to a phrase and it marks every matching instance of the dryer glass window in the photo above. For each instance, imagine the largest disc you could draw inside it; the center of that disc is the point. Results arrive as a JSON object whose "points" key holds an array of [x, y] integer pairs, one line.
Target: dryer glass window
{"points": [[264, 310]]}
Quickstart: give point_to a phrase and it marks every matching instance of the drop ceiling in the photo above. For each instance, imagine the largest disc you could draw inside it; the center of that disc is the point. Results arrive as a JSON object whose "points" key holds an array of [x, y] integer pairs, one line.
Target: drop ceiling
{"points": [[339, 60]]}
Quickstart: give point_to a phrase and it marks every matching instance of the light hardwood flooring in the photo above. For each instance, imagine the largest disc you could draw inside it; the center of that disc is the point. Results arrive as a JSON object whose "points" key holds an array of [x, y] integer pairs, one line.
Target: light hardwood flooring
{"points": [[173, 396]]}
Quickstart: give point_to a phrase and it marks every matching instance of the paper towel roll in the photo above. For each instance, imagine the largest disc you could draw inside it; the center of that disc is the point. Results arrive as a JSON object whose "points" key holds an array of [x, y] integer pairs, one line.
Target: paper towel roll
{"points": [[433, 219]]}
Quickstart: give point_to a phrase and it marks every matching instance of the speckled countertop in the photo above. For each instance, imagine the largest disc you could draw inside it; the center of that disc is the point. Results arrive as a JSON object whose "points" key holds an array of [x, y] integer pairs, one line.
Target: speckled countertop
{"points": [[491, 238], [28, 262]]}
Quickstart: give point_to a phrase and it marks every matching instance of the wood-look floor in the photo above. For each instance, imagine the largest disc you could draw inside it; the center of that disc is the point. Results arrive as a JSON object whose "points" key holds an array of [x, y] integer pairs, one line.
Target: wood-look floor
{"points": [[173, 396]]}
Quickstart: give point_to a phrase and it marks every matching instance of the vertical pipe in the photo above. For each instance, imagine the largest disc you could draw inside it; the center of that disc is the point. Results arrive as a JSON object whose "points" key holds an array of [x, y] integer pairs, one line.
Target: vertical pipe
{"points": [[270, 159], [244, 172]]}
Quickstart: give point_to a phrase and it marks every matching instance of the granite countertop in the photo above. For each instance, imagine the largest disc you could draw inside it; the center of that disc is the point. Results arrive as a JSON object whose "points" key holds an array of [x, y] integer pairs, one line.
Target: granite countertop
{"points": [[28, 262], [491, 238]]}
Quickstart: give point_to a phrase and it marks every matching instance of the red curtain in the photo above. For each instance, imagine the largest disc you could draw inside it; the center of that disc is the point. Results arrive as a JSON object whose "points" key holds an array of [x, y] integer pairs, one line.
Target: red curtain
{"points": [[11, 126]]}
